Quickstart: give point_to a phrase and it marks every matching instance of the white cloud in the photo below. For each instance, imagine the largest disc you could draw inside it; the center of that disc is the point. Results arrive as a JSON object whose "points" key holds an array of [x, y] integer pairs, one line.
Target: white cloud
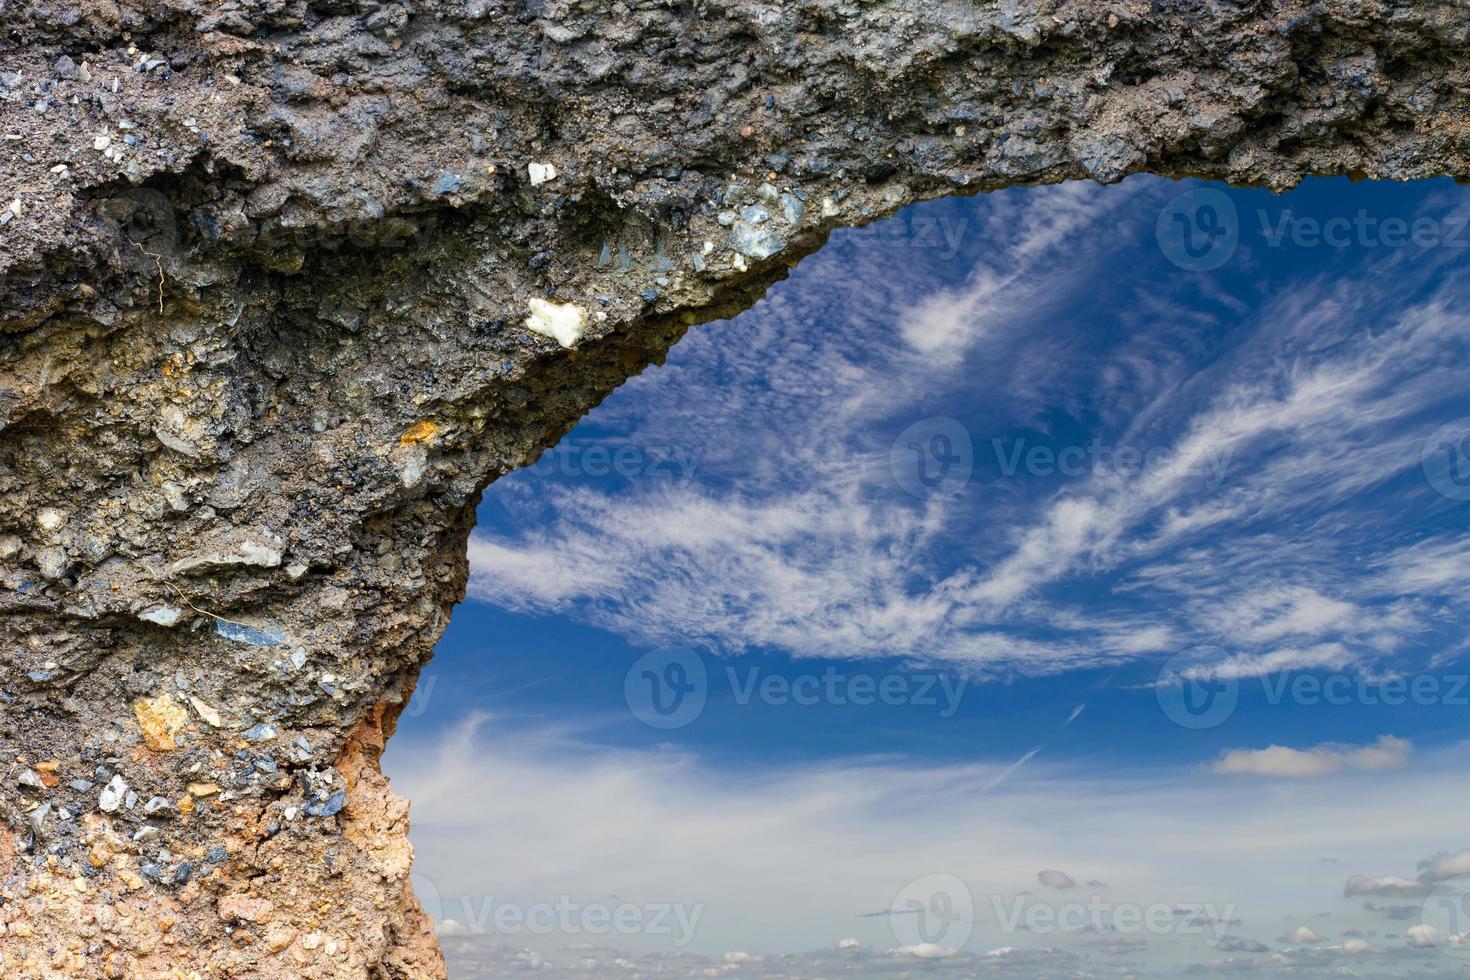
{"points": [[1433, 872], [1146, 639], [1440, 567], [1424, 936], [1299, 611], [1241, 666], [927, 951], [1387, 886], [1014, 277], [1443, 867], [1276, 760], [1300, 936]]}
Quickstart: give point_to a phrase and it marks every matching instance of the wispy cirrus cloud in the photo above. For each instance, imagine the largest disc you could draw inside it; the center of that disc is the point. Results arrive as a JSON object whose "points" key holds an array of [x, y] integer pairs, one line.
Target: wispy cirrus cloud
{"points": [[795, 536]]}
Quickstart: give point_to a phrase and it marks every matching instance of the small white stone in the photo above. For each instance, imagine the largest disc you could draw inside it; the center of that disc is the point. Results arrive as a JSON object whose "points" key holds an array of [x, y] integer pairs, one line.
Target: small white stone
{"points": [[241, 550], [102, 142], [206, 712], [256, 553], [50, 518], [112, 796], [174, 494], [162, 615], [562, 321], [541, 172], [410, 462]]}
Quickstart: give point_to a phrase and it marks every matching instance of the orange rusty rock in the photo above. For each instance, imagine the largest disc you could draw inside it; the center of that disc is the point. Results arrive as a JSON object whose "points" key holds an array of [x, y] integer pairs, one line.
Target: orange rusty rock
{"points": [[159, 718], [418, 432]]}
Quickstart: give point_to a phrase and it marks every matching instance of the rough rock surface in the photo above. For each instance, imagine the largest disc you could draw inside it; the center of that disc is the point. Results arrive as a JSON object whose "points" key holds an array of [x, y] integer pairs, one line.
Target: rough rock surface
{"points": [[285, 284]]}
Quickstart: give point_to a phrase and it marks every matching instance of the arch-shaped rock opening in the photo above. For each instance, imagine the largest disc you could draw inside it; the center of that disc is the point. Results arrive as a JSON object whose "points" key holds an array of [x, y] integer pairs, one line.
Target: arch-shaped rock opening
{"points": [[1026, 444], [242, 453]]}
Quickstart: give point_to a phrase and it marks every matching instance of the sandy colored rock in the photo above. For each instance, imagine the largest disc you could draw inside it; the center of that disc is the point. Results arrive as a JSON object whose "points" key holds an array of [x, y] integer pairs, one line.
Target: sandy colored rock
{"points": [[244, 908], [159, 718]]}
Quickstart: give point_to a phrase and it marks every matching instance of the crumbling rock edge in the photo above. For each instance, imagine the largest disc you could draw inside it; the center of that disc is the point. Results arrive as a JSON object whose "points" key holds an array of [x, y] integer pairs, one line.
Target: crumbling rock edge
{"points": [[286, 285]]}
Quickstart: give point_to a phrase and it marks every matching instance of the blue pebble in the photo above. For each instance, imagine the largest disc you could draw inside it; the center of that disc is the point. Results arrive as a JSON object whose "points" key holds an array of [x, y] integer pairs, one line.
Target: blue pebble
{"points": [[330, 807], [259, 733], [249, 634]]}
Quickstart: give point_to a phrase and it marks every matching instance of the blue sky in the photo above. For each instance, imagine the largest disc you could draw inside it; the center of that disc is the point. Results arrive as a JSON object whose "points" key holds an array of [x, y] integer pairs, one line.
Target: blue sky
{"points": [[1092, 549]]}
